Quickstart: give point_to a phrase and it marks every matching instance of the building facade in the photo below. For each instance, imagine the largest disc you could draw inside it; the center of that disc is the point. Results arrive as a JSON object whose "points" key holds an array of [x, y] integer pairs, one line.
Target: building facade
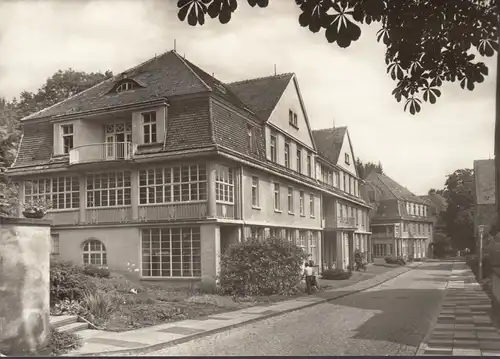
{"points": [[485, 212], [400, 221], [157, 170]]}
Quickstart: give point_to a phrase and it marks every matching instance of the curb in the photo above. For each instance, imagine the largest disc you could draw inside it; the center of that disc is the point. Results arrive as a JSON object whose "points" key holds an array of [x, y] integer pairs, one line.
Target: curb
{"points": [[423, 345], [154, 347]]}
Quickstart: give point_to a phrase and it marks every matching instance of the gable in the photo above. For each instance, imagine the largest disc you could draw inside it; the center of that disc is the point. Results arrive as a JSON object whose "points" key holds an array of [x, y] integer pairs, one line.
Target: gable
{"points": [[291, 101], [346, 153]]}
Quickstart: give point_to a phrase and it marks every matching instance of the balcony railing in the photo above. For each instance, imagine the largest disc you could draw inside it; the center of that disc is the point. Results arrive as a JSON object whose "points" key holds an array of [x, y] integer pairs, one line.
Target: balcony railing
{"points": [[346, 222], [98, 152], [173, 211], [108, 215], [70, 217], [225, 211]]}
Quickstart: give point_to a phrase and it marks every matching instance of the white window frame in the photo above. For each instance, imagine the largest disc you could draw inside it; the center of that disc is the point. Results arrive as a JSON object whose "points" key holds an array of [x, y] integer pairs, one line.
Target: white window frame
{"points": [[67, 132], [173, 184], [224, 184], [347, 159], [301, 203], [290, 235], [55, 244], [302, 242], [290, 201], [287, 154], [94, 248], [313, 246], [149, 121], [255, 192], [277, 197], [311, 205], [299, 160], [126, 86], [273, 148], [187, 240], [117, 185], [309, 165], [62, 192]]}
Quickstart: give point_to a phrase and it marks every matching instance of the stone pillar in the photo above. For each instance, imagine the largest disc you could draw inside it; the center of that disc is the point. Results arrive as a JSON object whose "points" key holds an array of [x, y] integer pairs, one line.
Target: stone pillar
{"points": [[350, 238], [24, 285], [134, 193], [83, 200], [210, 253], [20, 203], [369, 246], [211, 198]]}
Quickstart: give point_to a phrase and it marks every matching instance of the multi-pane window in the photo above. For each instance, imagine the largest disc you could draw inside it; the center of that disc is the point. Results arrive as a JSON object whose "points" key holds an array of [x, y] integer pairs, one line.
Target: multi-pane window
{"points": [[301, 203], [313, 243], [256, 233], [290, 200], [94, 253], [277, 197], [290, 235], [108, 189], [299, 160], [405, 227], [173, 184], [274, 232], [126, 86], [67, 137], [61, 192], [149, 127], [337, 179], [311, 204], [347, 160], [292, 118], [287, 154], [309, 165], [273, 148], [54, 244], [171, 252], [302, 240], [345, 182], [255, 191], [224, 184]]}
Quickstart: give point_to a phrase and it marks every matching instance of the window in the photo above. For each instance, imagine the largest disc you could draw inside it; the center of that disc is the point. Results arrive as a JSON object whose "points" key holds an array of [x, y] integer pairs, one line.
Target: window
{"points": [[61, 192], [287, 154], [313, 243], [171, 252], [337, 179], [274, 232], [309, 166], [173, 184], [54, 244], [347, 161], [413, 209], [345, 182], [356, 214], [94, 253], [108, 189], [292, 118], [255, 191], [250, 138], [302, 240], [405, 227], [256, 233], [301, 203], [349, 183], [299, 161], [277, 197], [224, 184], [290, 235], [126, 86], [149, 127], [273, 143], [67, 138], [290, 200], [311, 204]]}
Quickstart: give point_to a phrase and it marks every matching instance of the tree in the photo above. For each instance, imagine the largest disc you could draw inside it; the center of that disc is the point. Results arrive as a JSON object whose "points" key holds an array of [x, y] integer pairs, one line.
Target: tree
{"points": [[435, 191], [429, 42], [459, 214], [364, 169]]}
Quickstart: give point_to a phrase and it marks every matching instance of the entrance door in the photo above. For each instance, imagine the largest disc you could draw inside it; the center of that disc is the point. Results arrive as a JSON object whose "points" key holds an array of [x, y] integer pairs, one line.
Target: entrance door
{"points": [[120, 146], [110, 147]]}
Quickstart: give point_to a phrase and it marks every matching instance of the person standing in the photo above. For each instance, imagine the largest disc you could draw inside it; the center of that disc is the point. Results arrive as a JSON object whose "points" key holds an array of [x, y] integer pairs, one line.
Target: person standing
{"points": [[309, 274]]}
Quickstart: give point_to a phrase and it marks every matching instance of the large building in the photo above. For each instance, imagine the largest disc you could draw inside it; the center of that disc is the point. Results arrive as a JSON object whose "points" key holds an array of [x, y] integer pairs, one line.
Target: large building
{"points": [[437, 206], [158, 169], [400, 221], [485, 212]]}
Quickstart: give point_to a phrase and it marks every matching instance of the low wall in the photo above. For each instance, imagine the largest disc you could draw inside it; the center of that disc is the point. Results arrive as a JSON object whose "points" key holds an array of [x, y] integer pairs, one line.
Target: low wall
{"points": [[495, 291], [24, 284]]}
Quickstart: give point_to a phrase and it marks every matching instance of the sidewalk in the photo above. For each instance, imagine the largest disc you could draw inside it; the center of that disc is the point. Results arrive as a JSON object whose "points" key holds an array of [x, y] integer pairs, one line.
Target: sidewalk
{"points": [[464, 325], [144, 340]]}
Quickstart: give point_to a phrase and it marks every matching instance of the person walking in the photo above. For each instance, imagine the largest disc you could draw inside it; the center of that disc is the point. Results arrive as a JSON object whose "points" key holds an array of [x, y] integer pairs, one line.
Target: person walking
{"points": [[314, 282], [309, 274]]}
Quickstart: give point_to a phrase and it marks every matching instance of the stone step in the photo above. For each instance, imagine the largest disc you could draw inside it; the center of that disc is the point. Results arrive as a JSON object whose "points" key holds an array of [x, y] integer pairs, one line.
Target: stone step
{"points": [[61, 320], [73, 327]]}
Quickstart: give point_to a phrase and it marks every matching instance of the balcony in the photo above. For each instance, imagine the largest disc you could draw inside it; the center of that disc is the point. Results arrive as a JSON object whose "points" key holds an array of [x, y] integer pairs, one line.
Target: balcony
{"points": [[383, 235], [99, 152], [172, 212]]}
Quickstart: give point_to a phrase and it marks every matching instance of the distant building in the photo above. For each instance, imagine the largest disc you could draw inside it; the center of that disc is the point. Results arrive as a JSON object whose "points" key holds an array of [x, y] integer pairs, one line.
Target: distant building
{"points": [[401, 222], [437, 205], [485, 212]]}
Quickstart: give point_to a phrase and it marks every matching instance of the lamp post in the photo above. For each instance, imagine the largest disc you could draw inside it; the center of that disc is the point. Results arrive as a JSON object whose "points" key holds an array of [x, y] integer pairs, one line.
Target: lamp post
{"points": [[480, 267]]}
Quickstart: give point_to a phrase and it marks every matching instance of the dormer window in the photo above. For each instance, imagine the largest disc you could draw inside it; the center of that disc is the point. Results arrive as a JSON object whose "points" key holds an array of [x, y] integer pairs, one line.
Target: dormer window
{"points": [[67, 138], [149, 127], [126, 86]]}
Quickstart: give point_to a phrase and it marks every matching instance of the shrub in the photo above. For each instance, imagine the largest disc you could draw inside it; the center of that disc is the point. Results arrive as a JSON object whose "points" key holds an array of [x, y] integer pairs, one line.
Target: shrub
{"points": [[253, 267], [67, 307], [395, 260], [418, 259], [68, 281], [94, 271], [336, 274], [99, 306], [63, 342]]}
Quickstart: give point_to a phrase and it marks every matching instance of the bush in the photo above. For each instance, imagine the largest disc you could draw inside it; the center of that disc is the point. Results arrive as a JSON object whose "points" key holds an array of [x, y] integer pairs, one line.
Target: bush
{"points": [[68, 281], [63, 342], [67, 307], [253, 267], [473, 263], [418, 259], [94, 271], [336, 274], [411, 258], [99, 306], [395, 260]]}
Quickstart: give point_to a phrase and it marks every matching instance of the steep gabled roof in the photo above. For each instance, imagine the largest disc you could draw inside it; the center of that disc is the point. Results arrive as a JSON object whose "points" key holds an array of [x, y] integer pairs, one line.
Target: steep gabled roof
{"points": [[329, 142], [390, 189], [435, 200], [484, 178], [162, 76], [261, 94]]}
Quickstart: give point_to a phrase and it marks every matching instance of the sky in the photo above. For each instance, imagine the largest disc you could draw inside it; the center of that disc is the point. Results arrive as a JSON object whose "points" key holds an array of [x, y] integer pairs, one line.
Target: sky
{"points": [[346, 87]]}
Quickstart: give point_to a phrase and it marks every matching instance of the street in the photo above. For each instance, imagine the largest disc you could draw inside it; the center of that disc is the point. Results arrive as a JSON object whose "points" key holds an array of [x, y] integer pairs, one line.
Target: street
{"points": [[390, 319]]}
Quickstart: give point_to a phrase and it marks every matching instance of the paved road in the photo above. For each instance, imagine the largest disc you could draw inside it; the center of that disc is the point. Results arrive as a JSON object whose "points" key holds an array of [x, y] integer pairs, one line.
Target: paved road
{"points": [[390, 319]]}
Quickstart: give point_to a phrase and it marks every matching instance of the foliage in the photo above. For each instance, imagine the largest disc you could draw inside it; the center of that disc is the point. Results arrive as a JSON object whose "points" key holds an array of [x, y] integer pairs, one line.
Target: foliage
{"points": [[62, 342], [99, 306], [364, 169], [8, 198], [336, 274], [95, 271], [459, 214], [473, 263], [395, 260], [68, 307], [442, 245], [38, 204], [68, 281], [428, 42], [265, 267]]}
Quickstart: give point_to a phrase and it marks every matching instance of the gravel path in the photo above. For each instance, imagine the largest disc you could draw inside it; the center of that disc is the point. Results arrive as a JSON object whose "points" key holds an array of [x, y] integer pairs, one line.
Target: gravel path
{"points": [[391, 319]]}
